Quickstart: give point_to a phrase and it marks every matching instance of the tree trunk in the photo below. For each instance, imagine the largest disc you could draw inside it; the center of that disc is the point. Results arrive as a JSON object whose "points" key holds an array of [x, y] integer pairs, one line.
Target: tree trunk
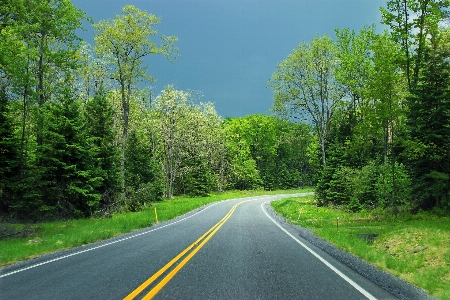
{"points": [[40, 88], [394, 186], [405, 42], [421, 43], [126, 109], [24, 120]]}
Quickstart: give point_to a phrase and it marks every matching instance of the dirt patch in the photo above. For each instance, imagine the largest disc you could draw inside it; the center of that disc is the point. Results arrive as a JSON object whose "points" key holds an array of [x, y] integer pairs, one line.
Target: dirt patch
{"points": [[368, 237], [12, 231]]}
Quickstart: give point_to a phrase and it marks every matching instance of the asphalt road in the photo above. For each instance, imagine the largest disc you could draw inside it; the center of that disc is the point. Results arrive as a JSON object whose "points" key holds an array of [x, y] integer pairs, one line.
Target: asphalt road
{"points": [[235, 249]]}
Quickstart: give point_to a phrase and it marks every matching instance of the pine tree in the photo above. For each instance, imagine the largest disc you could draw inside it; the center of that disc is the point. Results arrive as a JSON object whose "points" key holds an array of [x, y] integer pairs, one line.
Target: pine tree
{"points": [[9, 158], [68, 183], [198, 182], [99, 115], [430, 131], [142, 174]]}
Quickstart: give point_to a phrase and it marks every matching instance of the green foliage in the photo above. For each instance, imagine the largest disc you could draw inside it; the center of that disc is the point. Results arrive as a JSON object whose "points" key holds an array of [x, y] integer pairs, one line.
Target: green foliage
{"points": [[65, 154], [384, 186], [198, 182], [368, 187], [429, 117], [412, 22], [68, 183], [305, 86], [9, 155], [143, 175], [127, 40], [269, 151], [99, 126], [188, 141]]}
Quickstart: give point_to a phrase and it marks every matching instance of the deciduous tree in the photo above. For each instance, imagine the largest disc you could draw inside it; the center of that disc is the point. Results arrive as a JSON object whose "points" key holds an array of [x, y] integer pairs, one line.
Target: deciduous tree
{"points": [[304, 85], [127, 39]]}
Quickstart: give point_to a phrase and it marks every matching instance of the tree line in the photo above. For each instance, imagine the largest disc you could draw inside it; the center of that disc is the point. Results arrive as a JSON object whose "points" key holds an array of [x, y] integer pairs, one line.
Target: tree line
{"points": [[80, 137], [379, 104]]}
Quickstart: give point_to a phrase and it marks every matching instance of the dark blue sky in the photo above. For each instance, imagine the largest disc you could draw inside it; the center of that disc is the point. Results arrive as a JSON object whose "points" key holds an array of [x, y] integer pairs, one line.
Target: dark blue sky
{"points": [[230, 48]]}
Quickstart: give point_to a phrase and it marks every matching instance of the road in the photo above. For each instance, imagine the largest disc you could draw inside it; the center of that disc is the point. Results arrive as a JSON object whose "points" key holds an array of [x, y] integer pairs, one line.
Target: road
{"points": [[235, 249]]}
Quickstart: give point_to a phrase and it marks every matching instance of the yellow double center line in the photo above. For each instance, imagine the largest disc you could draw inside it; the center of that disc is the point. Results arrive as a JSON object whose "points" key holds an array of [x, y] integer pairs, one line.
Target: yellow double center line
{"points": [[192, 249]]}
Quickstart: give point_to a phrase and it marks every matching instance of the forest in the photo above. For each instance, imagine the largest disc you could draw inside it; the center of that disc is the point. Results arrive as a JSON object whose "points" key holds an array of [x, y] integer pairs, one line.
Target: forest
{"points": [[363, 116]]}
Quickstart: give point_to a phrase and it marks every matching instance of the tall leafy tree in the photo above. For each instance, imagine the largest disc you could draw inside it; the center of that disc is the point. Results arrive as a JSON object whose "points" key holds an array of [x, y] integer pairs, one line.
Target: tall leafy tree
{"points": [[52, 35], [92, 75], [411, 22], [185, 148], [354, 52], [37, 49], [305, 86], [241, 169], [387, 90], [127, 39]]}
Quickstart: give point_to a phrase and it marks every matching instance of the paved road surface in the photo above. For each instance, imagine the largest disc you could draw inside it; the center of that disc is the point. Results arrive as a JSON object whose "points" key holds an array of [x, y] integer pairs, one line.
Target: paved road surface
{"points": [[233, 249]]}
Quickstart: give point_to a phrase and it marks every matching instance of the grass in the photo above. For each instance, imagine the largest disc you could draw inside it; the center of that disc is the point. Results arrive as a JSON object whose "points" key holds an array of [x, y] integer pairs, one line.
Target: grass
{"points": [[415, 248], [55, 236]]}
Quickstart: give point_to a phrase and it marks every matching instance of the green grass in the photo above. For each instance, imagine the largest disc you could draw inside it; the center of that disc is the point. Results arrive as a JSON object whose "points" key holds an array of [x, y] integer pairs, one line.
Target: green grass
{"points": [[54, 236], [413, 247]]}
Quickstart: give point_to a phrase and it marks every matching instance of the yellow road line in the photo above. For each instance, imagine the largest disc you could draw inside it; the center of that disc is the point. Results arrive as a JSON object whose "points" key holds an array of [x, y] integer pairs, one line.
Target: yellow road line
{"points": [[196, 246]]}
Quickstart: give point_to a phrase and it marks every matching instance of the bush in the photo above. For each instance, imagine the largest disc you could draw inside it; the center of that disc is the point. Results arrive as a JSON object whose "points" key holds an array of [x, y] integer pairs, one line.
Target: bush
{"points": [[384, 185], [364, 181], [369, 187], [143, 196]]}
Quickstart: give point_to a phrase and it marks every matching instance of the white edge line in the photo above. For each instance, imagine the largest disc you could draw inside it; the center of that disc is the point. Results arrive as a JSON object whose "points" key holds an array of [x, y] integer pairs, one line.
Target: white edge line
{"points": [[105, 244], [114, 242], [343, 276]]}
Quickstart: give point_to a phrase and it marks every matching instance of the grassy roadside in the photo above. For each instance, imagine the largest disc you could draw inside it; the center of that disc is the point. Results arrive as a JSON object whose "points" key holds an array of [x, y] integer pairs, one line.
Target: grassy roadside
{"points": [[415, 248], [48, 237]]}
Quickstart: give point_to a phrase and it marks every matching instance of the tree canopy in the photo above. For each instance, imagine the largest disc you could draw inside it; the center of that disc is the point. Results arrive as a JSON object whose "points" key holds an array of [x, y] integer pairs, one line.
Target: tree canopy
{"points": [[363, 116]]}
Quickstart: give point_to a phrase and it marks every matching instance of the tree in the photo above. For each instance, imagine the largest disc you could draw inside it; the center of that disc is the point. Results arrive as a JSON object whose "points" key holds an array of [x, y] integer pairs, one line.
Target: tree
{"points": [[354, 52], [143, 174], [411, 23], [9, 155], [293, 160], [429, 123], [92, 76], [126, 39], [182, 133], [304, 85], [387, 89], [52, 35], [241, 169], [100, 136], [68, 182]]}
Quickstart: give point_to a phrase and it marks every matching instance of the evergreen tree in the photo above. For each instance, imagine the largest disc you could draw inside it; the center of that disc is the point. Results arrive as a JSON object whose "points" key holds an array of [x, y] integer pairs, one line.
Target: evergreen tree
{"points": [[429, 121], [142, 174], [99, 115], [68, 183], [9, 158], [198, 182]]}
